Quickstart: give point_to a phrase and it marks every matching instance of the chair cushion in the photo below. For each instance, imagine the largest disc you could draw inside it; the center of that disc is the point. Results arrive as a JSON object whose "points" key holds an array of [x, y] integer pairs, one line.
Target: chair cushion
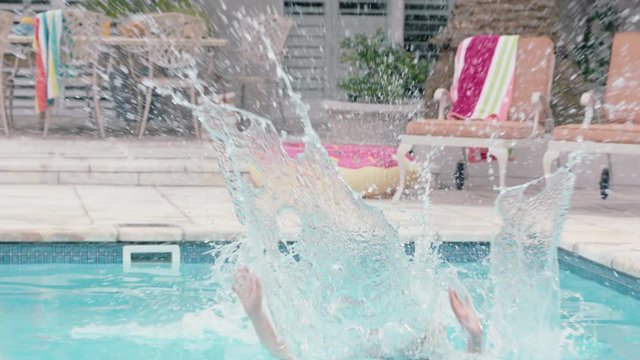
{"points": [[473, 128], [604, 133], [622, 99], [534, 73]]}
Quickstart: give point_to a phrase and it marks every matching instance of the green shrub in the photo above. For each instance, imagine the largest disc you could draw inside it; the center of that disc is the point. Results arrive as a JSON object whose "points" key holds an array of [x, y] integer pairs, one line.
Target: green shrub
{"points": [[381, 72]]}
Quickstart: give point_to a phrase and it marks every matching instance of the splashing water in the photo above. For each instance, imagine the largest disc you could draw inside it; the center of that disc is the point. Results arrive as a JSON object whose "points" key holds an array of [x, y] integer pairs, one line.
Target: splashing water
{"points": [[335, 274], [524, 269], [342, 271]]}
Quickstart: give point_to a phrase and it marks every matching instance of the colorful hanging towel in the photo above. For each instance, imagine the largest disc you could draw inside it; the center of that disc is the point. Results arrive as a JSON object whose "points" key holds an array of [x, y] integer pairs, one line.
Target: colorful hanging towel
{"points": [[482, 86], [48, 27]]}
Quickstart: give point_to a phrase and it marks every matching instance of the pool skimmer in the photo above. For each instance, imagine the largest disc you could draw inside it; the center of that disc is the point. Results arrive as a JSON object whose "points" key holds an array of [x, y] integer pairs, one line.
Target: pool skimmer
{"points": [[151, 259]]}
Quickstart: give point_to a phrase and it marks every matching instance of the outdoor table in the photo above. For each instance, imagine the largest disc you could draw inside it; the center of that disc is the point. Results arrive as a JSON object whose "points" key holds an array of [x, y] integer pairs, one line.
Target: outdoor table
{"points": [[121, 42], [134, 41]]}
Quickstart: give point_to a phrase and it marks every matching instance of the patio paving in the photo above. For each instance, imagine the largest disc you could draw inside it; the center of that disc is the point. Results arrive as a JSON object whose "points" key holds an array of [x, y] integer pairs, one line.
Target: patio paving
{"points": [[74, 188], [607, 232]]}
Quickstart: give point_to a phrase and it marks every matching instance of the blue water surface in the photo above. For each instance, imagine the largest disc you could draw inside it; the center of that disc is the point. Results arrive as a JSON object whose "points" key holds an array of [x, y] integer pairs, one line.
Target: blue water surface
{"points": [[98, 312]]}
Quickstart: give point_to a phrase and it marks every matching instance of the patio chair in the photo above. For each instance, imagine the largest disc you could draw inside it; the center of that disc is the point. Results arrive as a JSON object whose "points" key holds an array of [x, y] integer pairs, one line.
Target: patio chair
{"points": [[529, 115], [176, 59], [618, 130], [7, 74], [79, 54], [253, 54]]}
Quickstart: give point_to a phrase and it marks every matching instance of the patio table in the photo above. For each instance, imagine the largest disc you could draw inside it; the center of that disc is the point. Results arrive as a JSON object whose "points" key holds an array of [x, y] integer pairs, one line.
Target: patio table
{"points": [[24, 42], [131, 41]]}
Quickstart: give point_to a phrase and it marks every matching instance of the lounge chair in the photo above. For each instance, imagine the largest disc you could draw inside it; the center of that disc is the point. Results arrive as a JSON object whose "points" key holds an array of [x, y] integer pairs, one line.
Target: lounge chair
{"points": [[174, 58], [618, 130], [529, 114], [6, 77]]}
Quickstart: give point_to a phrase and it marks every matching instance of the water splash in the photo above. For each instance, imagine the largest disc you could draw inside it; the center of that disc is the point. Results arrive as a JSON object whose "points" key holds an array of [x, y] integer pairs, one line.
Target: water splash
{"points": [[338, 273], [344, 270], [524, 269]]}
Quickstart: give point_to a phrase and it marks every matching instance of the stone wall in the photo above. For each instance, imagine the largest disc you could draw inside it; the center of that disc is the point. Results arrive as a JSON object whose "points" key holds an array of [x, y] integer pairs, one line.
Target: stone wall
{"points": [[526, 17]]}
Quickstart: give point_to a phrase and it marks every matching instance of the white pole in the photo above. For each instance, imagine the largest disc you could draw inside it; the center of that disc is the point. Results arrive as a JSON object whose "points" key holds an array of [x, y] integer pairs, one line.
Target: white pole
{"points": [[395, 20]]}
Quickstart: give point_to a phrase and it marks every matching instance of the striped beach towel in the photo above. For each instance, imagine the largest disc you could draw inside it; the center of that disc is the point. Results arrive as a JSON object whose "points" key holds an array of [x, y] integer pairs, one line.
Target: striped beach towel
{"points": [[482, 86], [48, 28]]}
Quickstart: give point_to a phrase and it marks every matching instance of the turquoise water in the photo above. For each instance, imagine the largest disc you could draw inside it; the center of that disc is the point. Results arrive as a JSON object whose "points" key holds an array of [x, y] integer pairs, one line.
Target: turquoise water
{"points": [[99, 312]]}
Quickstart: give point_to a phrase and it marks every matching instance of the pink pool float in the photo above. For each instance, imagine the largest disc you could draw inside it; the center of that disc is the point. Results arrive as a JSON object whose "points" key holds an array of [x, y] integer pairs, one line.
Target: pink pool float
{"points": [[371, 170]]}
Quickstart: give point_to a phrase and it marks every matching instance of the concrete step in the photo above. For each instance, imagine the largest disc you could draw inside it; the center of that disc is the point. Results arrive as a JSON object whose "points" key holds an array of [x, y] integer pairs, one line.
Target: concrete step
{"points": [[75, 161]]}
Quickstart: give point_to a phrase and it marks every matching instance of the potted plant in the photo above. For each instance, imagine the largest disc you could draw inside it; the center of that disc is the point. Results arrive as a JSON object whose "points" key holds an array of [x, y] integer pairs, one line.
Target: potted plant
{"points": [[384, 89]]}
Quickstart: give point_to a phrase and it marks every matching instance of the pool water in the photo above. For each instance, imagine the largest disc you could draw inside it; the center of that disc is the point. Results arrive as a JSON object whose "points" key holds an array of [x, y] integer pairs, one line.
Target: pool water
{"points": [[99, 312]]}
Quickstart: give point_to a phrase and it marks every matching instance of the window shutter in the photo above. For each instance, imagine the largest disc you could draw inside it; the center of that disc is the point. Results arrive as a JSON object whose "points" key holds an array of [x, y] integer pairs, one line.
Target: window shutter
{"points": [[422, 20], [305, 57]]}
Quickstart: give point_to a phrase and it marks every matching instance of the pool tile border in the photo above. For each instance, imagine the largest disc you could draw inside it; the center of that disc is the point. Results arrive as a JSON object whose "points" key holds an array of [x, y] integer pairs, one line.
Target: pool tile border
{"points": [[91, 253], [601, 274], [24, 252], [618, 269]]}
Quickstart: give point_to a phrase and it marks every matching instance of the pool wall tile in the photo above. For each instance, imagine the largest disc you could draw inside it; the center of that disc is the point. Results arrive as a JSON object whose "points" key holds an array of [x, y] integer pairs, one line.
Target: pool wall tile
{"points": [[88, 253], [590, 270], [204, 252]]}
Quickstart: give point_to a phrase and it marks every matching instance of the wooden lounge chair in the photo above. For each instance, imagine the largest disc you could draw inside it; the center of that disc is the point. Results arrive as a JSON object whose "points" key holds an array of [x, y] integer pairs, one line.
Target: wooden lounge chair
{"points": [[176, 59], [529, 114], [255, 60], [6, 22], [618, 130]]}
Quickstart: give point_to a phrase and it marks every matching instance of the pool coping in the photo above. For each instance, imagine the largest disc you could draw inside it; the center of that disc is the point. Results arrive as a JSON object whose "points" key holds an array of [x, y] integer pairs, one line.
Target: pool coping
{"points": [[160, 232]]}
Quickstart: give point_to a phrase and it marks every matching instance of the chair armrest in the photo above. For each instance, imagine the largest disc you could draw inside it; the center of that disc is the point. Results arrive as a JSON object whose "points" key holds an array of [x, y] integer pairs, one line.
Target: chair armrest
{"points": [[589, 101], [541, 107], [443, 97]]}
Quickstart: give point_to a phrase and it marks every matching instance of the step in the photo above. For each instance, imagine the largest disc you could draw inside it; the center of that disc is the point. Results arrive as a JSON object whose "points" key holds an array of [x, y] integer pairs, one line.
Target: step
{"points": [[174, 162], [87, 171]]}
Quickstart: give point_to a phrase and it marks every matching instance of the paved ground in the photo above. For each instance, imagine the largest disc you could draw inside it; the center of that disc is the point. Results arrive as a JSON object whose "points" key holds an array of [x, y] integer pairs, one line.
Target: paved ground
{"points": [[605, 231], [74, 188]]}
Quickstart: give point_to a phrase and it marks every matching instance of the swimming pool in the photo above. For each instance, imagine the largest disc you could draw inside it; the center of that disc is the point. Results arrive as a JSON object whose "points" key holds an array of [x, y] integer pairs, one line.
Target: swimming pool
{"points": [[77, 311]]}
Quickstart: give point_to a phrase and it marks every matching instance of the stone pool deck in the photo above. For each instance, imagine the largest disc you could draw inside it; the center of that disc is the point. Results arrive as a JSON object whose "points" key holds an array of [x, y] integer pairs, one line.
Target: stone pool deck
{"points": [[606, 232]]}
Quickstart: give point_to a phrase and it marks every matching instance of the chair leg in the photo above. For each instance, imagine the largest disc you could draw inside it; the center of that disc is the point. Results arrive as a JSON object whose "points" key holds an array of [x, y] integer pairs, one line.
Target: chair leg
{"points": [[47, 119], [610, 164], [12, 88], [550, 156], [196, 123], [502, 156], [96, 109], [403, 165], [145, 115], [3, 112], [139, 106], [60, 104]]}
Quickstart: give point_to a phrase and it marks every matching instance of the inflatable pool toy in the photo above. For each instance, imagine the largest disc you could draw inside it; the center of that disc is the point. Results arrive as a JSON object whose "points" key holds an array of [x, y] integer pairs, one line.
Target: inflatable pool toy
{"points": [[371, 170]]}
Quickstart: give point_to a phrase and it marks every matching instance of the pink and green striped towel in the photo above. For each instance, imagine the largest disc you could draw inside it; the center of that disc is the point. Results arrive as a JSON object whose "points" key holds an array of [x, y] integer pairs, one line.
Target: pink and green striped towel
{"points": [[483, 80]]}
